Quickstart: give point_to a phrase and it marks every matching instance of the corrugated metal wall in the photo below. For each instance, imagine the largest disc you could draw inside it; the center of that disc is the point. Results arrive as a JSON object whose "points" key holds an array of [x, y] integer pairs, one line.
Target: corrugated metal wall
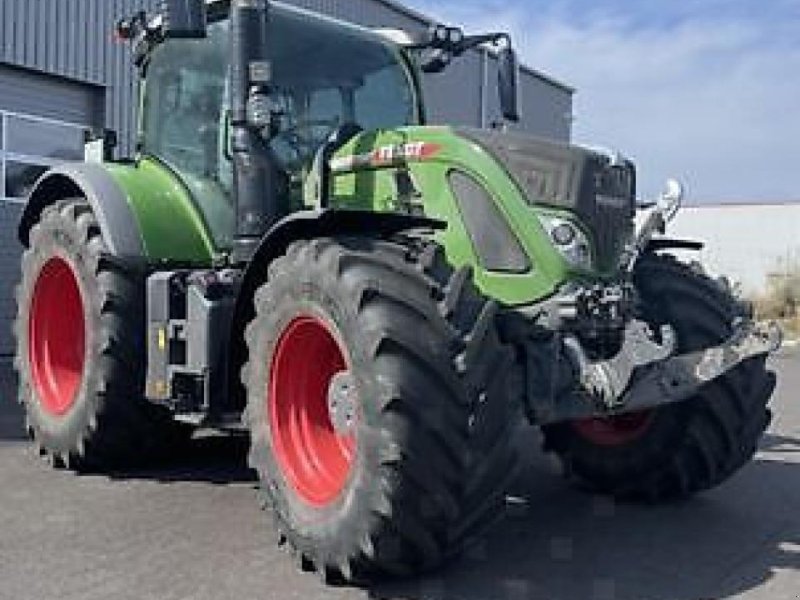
{"points": [[73, 39], [28, 92]]}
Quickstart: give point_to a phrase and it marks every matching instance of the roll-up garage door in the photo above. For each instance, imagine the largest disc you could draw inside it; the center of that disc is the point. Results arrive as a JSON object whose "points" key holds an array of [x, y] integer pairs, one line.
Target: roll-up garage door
{"points": [[42, 122]]}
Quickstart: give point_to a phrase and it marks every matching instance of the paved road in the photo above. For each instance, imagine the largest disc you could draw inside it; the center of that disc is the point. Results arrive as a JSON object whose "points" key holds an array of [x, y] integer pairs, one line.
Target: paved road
{"points": [[191, 530]]}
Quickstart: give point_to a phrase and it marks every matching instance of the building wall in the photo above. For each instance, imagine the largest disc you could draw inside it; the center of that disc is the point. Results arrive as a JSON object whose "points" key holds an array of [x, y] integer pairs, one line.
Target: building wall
{"points": [[9, 273], [73, 39]]}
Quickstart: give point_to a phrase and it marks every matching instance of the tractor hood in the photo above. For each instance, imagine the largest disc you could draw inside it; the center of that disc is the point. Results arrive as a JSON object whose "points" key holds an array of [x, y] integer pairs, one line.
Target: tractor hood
{"points": [[497, 191], [599, 189]]}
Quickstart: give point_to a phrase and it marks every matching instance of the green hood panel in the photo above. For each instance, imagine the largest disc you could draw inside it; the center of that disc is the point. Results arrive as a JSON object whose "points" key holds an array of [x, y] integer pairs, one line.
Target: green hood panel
{"points": [[367, 174], [365, 171], [171, 227]]}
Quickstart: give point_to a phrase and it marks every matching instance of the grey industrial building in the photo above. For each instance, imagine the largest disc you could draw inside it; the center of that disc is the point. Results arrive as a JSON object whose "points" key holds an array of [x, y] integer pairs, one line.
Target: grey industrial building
{"points": [[61, 72]]}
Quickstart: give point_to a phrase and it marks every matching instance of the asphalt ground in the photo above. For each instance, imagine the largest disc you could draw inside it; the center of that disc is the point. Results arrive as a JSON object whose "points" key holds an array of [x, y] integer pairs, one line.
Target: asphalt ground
{"points": [[191, 529]]}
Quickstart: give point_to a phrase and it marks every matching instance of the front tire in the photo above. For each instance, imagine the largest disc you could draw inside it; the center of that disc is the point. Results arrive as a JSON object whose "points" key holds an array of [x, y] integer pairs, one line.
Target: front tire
{"points": [[377, 405], [80, 346], [674, 451]]}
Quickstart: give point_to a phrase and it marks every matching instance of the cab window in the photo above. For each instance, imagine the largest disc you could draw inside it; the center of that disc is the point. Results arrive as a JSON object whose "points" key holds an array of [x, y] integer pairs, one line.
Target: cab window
{"points": [[184, 121]]}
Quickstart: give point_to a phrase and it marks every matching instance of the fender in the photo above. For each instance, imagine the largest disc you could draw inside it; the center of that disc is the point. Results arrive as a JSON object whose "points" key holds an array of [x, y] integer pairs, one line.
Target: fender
{"points": [[310, 224], [118, 224]]}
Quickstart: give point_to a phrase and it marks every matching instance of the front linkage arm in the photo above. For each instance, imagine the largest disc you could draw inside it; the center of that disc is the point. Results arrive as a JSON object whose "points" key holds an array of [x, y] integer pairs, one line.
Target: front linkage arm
{"points": [[607, 380], [640, 376]]}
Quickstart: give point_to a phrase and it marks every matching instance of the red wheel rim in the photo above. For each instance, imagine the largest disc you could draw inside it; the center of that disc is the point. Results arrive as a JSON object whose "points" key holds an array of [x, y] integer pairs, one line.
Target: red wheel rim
{"points": [[615, 431], [315, 459], [56, 337]]}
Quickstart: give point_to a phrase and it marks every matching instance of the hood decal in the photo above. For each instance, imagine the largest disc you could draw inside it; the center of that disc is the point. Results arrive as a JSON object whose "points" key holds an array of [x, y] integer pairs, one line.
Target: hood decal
{"points": [[385, 156]]}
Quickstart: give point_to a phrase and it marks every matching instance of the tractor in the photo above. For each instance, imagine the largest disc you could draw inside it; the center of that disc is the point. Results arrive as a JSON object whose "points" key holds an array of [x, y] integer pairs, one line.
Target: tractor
{"points": [[295, 254]]}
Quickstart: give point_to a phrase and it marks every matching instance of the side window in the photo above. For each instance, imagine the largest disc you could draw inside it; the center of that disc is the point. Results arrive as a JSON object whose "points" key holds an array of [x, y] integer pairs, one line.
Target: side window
{"points": [[29, 145], [377, 102], [184, 122], [325, 105], [189, 137], [184, 109]]}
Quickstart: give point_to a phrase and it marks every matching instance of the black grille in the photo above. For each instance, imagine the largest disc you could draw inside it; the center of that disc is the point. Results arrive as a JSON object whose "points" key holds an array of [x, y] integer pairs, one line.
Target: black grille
{"points": [[601, 195]]}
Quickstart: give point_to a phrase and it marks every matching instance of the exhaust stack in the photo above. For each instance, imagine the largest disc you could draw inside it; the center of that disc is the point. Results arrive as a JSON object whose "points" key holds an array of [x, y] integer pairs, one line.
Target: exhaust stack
{"points": [[256, 191]]}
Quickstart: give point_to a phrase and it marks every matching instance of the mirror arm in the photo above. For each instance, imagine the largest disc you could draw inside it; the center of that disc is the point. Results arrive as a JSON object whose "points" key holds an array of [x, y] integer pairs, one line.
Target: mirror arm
{"points": [[471, 41], [508, 83], [442, 52], [428, 41]]}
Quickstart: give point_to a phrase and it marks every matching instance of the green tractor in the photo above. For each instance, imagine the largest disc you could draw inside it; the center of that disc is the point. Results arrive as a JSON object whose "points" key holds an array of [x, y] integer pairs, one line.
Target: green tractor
{"points": [[295, 254]]}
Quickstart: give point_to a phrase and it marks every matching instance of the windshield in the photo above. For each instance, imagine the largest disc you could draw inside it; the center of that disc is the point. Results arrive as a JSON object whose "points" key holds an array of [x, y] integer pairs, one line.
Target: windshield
{"points": [[325, 74]]}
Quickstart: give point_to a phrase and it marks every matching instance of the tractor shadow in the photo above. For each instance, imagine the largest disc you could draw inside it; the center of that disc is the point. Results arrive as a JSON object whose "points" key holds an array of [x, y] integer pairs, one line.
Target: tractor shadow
{"points": [[215, 459], [557, 543]]}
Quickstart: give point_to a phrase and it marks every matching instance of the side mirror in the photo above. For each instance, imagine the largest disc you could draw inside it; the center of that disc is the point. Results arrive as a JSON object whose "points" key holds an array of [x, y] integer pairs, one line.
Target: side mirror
{"points": [[508, 83], [670, 200], [184, 18]]}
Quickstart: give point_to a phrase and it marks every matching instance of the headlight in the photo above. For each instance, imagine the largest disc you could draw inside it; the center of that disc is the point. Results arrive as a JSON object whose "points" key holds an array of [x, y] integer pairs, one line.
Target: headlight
{"points": [[570, 241]]}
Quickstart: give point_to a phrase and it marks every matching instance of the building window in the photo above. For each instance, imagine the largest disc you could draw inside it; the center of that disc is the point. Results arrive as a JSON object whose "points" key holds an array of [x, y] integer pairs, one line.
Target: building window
{"points": [[35, 137], [20, 177], [29, 145]]}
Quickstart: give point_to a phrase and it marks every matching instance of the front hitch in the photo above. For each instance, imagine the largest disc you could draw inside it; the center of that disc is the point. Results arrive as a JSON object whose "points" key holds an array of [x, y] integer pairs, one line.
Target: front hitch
{"points": [[641, 376], [607, 380]]}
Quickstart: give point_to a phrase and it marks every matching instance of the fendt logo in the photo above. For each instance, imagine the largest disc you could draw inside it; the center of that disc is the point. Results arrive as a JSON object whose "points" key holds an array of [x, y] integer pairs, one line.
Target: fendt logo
{"points": [[386, 155], [400, 152]]}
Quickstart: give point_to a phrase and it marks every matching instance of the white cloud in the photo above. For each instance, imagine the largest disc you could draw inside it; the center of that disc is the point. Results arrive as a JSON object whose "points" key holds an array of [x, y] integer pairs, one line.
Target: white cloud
{"points": [[713, 100]]}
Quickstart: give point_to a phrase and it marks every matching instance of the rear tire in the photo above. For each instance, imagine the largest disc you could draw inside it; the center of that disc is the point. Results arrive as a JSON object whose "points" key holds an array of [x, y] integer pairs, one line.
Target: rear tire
{"points": [[676, 450], [80, 347], [424, 467]]}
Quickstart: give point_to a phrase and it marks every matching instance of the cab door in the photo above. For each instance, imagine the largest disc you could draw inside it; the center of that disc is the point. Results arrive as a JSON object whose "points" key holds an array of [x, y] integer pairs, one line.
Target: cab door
{"points": [[184, 122]]}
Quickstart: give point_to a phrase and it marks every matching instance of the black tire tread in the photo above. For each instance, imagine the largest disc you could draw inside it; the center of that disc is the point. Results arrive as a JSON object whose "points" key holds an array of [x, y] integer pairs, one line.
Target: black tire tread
{"points": [[122, 428], [462, 472], [715, 433]]}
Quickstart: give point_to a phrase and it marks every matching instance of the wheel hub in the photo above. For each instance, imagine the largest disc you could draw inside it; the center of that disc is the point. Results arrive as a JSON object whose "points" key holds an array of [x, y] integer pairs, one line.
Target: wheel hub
{"points": [[56, 337], [342, 402], [615, 431], [312, 407]]}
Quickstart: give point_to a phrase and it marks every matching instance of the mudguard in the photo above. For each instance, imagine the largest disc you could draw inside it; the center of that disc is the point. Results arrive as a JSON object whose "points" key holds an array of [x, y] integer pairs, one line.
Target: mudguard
{"points": [[109, 203], [144, 210], [325, 222]]}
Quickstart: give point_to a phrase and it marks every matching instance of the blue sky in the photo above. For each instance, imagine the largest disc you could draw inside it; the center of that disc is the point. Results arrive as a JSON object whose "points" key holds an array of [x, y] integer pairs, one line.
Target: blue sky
{"points": [[705, 90]]}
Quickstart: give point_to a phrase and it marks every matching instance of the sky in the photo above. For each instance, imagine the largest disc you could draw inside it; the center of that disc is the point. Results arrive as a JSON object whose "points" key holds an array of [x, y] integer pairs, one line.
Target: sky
{"points": [[707, 91]]}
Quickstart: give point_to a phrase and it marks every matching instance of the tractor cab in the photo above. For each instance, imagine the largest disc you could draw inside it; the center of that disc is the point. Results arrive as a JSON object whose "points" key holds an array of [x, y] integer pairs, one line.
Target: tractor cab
{"points": [[282, 85], [325, 75]]}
